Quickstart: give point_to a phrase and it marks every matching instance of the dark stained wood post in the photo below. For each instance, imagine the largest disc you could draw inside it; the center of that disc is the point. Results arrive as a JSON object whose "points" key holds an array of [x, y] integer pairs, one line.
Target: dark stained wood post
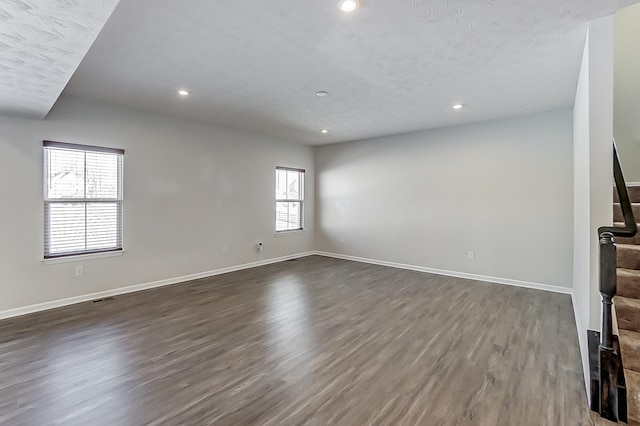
{"points": [[607, 286], [608, 359], [612, 404]]}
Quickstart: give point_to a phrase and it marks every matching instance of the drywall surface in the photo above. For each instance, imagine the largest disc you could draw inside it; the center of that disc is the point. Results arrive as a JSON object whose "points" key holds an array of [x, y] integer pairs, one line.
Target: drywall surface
{"points": [[501, 189], [581, 230], [593, 173], [626, 125], [189, 191], [601, 63]]}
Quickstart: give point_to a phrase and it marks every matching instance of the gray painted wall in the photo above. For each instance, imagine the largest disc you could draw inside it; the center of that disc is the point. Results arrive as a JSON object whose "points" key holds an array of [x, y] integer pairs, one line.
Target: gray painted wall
{"points": [[503, 189], [190, 190]]}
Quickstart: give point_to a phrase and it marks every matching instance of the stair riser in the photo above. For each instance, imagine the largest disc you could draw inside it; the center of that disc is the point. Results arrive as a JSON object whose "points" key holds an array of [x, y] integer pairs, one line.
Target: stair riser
{"points": [[632, 379], [628, 286], [628, 318], [628, 240], [628, 259], [634, 194], [630, 347], [617, 212]]}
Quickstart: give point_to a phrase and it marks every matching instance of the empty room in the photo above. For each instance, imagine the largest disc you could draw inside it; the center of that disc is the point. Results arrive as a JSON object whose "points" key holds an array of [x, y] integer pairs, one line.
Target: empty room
{"points": [[340, 212]]}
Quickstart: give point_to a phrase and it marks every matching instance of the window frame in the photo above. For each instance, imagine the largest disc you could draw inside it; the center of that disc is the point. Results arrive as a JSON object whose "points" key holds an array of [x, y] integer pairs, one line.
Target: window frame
{"points": [[299, 200], [49, 201]]}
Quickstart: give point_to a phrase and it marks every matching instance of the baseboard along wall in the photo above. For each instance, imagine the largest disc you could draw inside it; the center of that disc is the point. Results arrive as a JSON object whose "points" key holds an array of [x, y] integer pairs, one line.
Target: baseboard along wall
{"points": [[476, 277], [9, 313]]}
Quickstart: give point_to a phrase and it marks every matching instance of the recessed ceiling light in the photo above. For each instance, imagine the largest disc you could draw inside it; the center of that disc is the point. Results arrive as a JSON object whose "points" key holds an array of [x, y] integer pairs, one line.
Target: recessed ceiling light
{"points": [[321, 93], [324, 131], [348, 5], [183, 92], [457, 106]]}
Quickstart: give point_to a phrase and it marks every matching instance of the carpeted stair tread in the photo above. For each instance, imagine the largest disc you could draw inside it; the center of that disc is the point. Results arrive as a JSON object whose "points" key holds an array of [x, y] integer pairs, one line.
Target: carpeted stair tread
{"points": [[632, 379], [634, 194], [628, 283], [628, 256], [630, 348], [617, 212], [627, 313], [627, 240]]}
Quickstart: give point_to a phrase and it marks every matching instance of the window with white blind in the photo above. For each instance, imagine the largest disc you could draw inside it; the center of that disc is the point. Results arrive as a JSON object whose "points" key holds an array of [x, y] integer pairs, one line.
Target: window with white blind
{"points": [[82, 199], [289, 199]]}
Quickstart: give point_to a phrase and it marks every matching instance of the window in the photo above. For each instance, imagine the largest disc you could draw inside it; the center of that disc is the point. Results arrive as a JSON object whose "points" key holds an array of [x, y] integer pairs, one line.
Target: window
{"points": [[289, 199], [82, 199]]}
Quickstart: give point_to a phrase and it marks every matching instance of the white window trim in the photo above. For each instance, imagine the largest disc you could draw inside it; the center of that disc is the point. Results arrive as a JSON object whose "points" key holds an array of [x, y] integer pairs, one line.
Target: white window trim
{"points": [[80, 257], [111, 252], [289, 233], [300, 230]]}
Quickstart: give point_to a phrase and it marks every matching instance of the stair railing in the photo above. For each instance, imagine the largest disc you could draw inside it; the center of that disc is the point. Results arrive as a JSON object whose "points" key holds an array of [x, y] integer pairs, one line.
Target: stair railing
{"points": [[610, 367]]}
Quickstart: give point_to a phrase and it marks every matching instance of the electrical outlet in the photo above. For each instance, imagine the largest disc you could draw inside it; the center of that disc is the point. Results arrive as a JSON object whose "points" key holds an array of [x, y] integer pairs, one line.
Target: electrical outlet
{"points": [[79, 271], [471, 255], [225, 250]]}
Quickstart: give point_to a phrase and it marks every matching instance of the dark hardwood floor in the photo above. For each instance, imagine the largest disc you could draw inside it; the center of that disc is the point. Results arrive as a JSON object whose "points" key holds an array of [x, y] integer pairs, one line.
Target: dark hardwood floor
{"points": [[314, 341]]}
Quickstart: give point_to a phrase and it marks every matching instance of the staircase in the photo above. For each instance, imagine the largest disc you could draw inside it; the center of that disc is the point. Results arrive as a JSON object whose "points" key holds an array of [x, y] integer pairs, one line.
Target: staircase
{"points": [[627, 304]]}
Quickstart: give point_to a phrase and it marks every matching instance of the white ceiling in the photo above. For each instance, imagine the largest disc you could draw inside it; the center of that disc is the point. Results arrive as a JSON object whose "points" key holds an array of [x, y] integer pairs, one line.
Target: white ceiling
{"points": [[42, 44], [391, 67]]}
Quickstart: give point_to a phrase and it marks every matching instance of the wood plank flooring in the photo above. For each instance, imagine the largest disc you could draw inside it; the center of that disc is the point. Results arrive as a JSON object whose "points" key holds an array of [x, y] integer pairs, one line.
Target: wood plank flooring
{"points": [[314, 341]]}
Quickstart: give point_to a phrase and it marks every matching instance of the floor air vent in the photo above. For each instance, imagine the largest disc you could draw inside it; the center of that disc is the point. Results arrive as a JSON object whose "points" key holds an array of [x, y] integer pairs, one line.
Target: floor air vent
{"points": [[105, 299]]}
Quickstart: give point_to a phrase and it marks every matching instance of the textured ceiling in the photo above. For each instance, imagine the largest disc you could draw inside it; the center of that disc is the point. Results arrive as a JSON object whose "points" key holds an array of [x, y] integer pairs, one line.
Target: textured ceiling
{"points": [[393, 66], [42, 44]]}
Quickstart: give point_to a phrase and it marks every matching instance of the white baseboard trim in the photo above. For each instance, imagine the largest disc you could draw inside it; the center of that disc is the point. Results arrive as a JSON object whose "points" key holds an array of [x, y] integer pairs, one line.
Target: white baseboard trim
{"points": [[496, 280], [9, 313]]}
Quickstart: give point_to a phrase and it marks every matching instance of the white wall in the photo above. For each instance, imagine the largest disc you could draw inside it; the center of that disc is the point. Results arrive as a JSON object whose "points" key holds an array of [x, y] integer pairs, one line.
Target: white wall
{"points": [[601, 42], [190, 190], [626, 126], [593, 155], [503, 189], [581, 229]]}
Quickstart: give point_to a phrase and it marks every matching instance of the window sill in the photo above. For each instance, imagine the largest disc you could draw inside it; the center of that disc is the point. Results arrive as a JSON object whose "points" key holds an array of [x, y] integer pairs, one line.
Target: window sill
{"points": [[79, 257], [287, 233]]}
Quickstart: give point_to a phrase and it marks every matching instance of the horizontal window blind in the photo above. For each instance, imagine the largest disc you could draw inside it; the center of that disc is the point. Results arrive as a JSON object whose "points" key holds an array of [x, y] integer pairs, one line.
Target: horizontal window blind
{"points": [[82, 199], [289, 199]]}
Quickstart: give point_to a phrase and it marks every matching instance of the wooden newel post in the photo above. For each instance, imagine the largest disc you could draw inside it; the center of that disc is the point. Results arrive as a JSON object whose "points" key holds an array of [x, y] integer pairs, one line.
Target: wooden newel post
{"points": [[607, 286], [608, 391], [608, 366]]}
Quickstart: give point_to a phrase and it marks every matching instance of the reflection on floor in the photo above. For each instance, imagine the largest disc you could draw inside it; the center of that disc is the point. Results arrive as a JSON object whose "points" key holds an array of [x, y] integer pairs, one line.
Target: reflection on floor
{"points": [[311, 341]]}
